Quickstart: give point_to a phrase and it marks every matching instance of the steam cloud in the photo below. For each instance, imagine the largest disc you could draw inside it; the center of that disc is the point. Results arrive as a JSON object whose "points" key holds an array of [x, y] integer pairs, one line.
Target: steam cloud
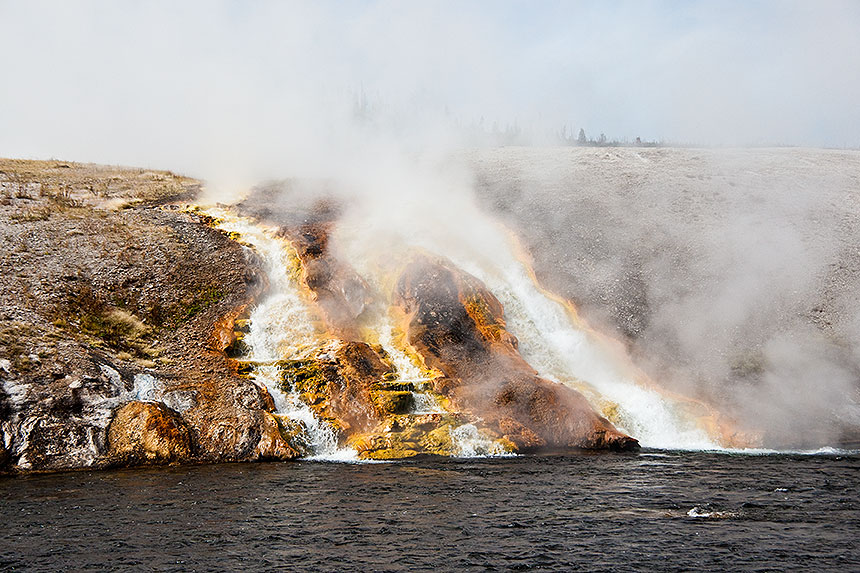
{"points": [[380, 95], [732, 274]]}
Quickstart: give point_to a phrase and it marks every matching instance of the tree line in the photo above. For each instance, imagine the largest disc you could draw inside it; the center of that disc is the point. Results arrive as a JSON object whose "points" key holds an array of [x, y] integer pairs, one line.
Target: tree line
{"points": [[582, 140]]}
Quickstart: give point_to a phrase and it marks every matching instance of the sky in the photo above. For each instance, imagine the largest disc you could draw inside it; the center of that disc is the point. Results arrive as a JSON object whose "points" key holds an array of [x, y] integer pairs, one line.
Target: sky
{"points": [[193, 85]]}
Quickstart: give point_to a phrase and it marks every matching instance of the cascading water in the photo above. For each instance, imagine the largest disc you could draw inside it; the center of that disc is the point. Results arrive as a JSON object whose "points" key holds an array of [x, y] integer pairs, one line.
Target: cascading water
{"points": [[407, 370], [562, 351], [380, 323], [467, 440], [550, 339], [281, 329], [425, 403]]}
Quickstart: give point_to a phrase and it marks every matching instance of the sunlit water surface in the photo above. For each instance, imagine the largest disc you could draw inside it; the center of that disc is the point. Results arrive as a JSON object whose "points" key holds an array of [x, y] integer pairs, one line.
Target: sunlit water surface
{"points": [[598, 512]]}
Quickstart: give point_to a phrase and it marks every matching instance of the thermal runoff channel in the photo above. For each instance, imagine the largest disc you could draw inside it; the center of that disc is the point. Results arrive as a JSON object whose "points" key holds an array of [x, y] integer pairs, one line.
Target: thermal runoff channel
{"points": [[419, 327]]}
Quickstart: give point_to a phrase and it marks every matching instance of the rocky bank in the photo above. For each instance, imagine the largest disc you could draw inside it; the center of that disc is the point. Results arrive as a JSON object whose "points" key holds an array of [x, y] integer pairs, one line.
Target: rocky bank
{"points": [[110, 342]]}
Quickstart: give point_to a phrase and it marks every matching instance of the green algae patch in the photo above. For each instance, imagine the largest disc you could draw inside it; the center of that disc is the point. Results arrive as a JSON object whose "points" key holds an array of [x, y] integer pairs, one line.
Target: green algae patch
{"points": [[611, 411], [386, 385], [389, 454], [320, 387], [307, 377], [202, 299], [390, 446], [409, 435], [393, 402], [439, 440], [479, 309]]}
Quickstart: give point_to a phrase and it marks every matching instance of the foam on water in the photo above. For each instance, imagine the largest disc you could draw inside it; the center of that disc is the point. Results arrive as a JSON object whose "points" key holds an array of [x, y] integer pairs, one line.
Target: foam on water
{"points": [[707, 513], [823, 451]]}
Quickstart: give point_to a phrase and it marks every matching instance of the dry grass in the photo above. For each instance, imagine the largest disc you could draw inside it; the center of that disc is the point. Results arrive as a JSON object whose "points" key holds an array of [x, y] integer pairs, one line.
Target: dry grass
{"points": [[89, 314], [74, 185]]}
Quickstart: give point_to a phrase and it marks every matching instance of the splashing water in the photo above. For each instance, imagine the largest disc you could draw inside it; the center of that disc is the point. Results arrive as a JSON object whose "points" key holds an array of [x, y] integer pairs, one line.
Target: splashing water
{"points": [[469, 443], [425, 403], [405, 366], [381, 326], [407, 371], [147, 388], [281, 328]]}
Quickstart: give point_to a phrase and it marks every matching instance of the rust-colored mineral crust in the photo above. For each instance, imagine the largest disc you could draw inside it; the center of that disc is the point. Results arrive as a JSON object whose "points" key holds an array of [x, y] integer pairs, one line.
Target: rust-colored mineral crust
{"points": [[339, 292], [457, 325]]}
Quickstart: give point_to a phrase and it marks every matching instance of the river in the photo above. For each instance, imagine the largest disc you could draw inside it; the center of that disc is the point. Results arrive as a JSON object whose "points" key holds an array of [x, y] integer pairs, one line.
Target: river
{"points": [[652, 510]]}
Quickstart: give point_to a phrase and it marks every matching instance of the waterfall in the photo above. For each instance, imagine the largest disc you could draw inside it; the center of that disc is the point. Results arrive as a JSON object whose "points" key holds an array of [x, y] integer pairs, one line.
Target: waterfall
{"points": [[551, 339], [281, 328], [564, 351], [407, 370]]}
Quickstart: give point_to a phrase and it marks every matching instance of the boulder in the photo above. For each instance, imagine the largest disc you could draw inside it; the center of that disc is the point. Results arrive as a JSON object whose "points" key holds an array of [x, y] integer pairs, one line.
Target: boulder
{"points": [[148, 433], [279, 440], [341, 385]]}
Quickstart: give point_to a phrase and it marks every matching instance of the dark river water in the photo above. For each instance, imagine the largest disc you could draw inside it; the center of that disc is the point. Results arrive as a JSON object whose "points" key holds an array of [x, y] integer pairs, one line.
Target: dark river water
{"points": [[596, 512]]}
